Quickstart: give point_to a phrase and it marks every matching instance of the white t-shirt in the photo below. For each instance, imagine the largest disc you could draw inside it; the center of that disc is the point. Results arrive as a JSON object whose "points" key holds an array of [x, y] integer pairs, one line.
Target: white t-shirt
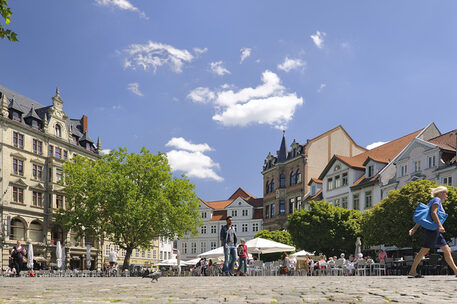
{"points": [[113, 256]]}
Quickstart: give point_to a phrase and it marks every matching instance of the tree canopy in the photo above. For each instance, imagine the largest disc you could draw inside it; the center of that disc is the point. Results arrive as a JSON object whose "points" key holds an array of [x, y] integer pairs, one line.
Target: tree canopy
{"points": [[389, 221], [130, 198], [325, 228], [6, 13]]}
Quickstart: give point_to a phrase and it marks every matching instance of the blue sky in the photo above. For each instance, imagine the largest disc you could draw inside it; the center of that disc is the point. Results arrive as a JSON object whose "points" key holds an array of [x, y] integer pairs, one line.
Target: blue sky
{"points": [[214, 82]]}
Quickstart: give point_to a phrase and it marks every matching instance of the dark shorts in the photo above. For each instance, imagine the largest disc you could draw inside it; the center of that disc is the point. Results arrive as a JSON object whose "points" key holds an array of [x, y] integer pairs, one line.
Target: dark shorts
{"points": [[433, 239]]}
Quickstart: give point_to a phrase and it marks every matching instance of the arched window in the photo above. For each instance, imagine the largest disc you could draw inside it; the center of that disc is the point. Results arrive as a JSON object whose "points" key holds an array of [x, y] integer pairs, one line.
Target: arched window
{"points": [[58, 130], [282, 180], [272, 185], [292, 178], [17, 230], [36, 232], [267, 187], [56, 234], [298, 176]]}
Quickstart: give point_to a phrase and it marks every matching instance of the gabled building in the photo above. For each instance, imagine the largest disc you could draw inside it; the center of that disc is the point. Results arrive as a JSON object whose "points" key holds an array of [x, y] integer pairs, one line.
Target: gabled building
{"points": [[286, 175], [35, 141], [356, 182], [246, 211]]}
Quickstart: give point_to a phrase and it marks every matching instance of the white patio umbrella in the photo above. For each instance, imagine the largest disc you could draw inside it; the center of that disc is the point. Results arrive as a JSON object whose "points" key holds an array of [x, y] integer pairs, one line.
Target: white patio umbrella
{"points": [[88, 263], [213, 254], [190, 262], [58, 255], [358, 246], [302, 253], [260, 245], [63, 257], [169, 262], [30, 257]]}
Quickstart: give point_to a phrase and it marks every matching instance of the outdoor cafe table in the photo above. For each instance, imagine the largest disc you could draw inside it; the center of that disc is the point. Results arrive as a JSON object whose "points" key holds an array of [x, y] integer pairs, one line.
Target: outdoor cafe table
{"points": [[398, 266]]}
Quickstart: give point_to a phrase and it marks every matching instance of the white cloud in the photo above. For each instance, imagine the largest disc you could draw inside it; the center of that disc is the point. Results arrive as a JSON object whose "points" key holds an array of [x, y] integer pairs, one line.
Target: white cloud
{"points": [[218, 68], [268, 103], [189, 158], [199, 51], [116, 107], [121, 4], [134, 87], [291, 64], [375, 144], [245, 53], [154, 55], [182, 144], [321, 87], [106, 151], [318, 38], [201, 94]]}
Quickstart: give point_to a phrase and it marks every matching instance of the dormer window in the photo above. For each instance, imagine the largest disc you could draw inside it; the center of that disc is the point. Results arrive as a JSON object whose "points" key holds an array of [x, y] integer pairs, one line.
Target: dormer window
{"points": [[58, 131], [75, 139], [370, 171], [17, 116], [35, 124]]}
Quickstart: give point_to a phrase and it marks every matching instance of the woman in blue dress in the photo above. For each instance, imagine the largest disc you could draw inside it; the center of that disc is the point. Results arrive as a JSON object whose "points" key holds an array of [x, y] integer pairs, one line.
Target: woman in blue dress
{"points": [[433, 238]]}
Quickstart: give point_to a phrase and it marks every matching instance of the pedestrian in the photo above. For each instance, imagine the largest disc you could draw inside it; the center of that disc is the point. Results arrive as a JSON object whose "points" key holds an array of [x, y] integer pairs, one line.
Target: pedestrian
{"points": [[18, 255], [382, 255], [243, 256], [113, 255], [433, 238], [228, 240]]}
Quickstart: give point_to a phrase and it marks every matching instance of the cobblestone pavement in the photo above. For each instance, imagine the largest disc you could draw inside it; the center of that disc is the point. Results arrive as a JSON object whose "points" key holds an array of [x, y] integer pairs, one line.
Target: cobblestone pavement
{"points": [[331, 289]]}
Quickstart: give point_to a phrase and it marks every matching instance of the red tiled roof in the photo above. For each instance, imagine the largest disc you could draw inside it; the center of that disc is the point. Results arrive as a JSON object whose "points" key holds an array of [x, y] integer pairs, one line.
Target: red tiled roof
{"points": [[219, 205], [219, 215], [242, 193], [316, 180], [364, 180], [314, 197], [445, 141]]}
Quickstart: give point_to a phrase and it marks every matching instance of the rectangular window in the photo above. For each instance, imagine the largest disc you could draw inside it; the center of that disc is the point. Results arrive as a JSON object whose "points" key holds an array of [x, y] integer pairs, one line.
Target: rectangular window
{"points": [[298, 203], [403, 170], [65, 154], [370, 171], [18, 195], [447, 180], [330, 183], [255, 227], [244, 228], [184, 247], [234, 213], [431, 161], [417, 165], [245, 212], [37, 199], [203, 214], [313, 189], [356, 202], [18, 166], [154, 254], [272, 210], [58, 153], [344, 202], [213, 245], [337, 202], [37, 172], [202, 247], [143, 254], [107, 249], [291, 205], [37, 147], [203, 230], [282, 207], [58, 174], [18, 140], [368, 200], [344, 179], [213, 229], [59, 201], [193, 248], [50, 150], [75, 140], [137, 253], [337, 181], [267, 211], [149, 254]]}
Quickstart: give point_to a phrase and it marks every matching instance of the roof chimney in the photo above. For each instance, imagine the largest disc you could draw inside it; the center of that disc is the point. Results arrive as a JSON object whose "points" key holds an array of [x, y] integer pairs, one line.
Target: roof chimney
{"points": [[84, 123]]}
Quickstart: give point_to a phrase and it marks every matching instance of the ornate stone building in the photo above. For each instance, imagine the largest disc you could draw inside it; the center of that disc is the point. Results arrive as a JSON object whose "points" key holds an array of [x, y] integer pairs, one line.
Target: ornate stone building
{"points": [[35, 141], [286, 175]]}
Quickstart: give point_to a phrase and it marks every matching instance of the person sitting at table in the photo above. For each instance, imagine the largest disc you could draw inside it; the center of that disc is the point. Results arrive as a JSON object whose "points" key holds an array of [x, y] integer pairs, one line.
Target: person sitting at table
{"points": [[382, 255]]}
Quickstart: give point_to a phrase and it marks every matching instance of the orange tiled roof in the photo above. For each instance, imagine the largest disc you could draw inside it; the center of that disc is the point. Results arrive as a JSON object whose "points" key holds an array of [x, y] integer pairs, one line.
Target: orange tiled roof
{"points": [[445, 141], [384, 153], [242, 193], [219, 215], [316, 180], [313, 197], [364, 180], [219, 205]]}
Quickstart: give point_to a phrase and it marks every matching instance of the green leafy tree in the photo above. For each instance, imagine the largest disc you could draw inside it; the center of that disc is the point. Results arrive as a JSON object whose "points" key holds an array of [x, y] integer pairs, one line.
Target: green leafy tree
{"points": [[325, 228], [6, 13], [130, 198], [389, 221], [280, 236]]}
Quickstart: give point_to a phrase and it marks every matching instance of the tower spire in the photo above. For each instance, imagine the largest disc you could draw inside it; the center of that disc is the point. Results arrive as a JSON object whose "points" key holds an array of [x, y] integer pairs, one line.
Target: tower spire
{"points": [[282, 154]]}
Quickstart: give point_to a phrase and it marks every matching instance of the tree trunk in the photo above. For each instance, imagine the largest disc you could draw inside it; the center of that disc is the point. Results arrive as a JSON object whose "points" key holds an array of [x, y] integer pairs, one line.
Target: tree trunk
{"points": [[128, 253]]}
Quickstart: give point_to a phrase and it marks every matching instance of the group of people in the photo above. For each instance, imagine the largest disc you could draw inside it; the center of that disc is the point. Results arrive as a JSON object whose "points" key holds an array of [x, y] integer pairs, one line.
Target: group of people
{"points": [[17, 258], [231, 251]]}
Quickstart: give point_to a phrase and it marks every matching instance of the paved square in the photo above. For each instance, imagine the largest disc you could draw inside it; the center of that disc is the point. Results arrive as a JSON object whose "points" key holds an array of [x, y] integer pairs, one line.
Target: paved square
{"points": [[430, 290]]}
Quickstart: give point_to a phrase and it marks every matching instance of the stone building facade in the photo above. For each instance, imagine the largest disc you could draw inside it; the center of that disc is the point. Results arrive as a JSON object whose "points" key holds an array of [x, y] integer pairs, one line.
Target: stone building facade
{"points": [[287, 174], [35, 141]]}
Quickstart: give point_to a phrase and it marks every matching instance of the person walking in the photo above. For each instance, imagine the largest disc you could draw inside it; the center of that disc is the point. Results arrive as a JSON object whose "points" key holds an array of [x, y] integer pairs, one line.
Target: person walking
{"points": [[18, 255], [113, 256], [433, 238], [243, 255], [228, 240]]}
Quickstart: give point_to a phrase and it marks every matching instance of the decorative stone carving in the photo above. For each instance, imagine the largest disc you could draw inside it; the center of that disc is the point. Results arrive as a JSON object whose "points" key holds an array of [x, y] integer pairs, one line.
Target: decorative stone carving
{"points": [[5, 111]]}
